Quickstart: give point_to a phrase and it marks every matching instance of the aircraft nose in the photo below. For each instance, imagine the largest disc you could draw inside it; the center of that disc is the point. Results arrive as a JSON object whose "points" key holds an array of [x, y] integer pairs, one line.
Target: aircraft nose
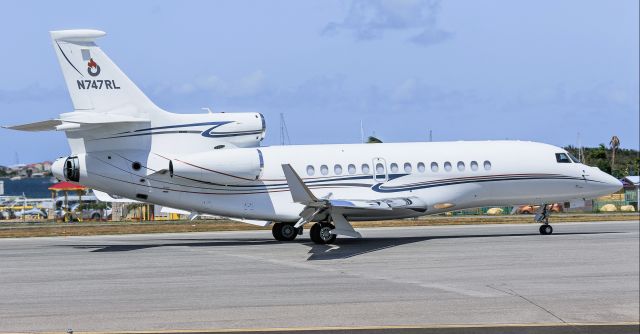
{"points": [[610, 183]]}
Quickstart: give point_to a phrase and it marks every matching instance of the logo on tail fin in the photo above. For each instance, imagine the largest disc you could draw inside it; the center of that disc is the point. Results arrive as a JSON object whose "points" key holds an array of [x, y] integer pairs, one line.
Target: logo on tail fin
{"points": [[93, 68]]}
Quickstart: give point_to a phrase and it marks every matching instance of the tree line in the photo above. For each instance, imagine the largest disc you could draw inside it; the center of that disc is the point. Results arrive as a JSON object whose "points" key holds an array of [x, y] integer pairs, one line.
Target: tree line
{"points": [[614, 160]]}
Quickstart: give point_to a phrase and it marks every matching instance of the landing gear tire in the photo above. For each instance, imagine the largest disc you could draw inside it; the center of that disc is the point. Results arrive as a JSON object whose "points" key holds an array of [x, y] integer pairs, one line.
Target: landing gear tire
{"points": [[546, 229], [320, 233], [284, 231]]}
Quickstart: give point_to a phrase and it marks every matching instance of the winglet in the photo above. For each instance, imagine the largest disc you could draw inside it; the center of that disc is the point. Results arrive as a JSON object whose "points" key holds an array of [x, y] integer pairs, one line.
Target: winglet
{"points": [[299, 191]]}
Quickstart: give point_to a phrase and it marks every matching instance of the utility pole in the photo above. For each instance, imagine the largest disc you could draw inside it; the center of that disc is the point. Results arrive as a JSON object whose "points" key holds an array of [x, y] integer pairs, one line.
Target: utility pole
{"points": [[580, 150], [284, 133], [361, 132], [430, 135], [24, 206]]}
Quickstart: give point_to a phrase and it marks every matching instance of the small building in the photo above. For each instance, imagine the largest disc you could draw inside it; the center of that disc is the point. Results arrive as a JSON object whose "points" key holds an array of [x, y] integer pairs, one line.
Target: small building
{"points": [[631, 185]]}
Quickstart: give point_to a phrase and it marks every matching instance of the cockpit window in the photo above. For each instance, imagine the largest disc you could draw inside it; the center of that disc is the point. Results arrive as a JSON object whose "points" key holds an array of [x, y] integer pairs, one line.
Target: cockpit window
{"points": [[573, 158], [563, 158]]}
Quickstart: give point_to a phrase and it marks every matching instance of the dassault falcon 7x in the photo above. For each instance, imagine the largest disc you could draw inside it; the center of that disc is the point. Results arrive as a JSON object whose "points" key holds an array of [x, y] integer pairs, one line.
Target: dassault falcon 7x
{"points": [[123, 144]]}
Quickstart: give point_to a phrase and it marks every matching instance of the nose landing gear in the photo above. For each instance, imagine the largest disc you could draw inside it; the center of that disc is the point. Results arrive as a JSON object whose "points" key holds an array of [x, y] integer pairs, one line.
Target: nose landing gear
{"points": [[543, 217]]}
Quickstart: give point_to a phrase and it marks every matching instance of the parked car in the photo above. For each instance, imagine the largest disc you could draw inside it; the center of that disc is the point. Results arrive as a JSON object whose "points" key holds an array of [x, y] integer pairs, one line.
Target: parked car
{"points": [[5, 214], [89, 211], [35, 212]]}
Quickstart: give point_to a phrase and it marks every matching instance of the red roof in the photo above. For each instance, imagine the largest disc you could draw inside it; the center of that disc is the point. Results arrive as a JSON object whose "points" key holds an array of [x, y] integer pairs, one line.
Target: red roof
{"points": [[69, 186]]}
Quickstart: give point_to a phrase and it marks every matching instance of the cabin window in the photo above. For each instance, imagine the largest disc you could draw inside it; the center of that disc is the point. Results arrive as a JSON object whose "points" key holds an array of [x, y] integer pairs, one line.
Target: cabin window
{"points": [[460, 166], [365, 169], [352, 168], [487, 165], [447, 166], [474, 165], [337, 169], [434, 167], [310, 170], [379, 169], [394, 167], [421, 167], [563, 158], [324, 170], [407, 167]]}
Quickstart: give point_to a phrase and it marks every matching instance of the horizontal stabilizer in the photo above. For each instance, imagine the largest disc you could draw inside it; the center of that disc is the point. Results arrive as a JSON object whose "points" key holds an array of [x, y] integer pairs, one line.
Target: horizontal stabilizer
{"points": [[76, 121], [48, 125], [100, 118]]}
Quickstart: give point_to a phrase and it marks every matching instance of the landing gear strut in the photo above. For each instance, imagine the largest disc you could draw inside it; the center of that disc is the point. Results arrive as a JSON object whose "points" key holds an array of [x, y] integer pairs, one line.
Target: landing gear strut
{"points": [[285, 231], [543, 217], [320, 233]]}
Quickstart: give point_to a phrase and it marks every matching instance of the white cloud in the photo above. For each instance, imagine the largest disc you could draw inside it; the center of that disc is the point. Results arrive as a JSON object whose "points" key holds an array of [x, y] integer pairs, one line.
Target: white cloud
{"points": [[369, 19]]}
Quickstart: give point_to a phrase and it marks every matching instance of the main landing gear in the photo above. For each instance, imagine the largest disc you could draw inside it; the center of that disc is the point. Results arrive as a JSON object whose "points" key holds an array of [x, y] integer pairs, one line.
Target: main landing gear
{"points": [[320, 233], [285, 231], [543, 217]]}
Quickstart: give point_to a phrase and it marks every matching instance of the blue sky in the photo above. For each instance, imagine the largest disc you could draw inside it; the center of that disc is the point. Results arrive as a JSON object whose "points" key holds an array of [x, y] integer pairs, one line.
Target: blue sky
{"points": [[532, 70]]}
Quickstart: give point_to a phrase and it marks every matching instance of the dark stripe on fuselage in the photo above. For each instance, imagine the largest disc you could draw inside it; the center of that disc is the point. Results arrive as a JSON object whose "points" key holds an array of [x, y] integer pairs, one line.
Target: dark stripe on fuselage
{"points": [[380, 186], [148, 134], [183, 126]]}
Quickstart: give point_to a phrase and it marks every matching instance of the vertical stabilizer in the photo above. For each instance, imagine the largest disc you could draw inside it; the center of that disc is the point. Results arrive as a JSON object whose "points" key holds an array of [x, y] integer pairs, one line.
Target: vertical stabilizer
{"points": [[95, 83]]}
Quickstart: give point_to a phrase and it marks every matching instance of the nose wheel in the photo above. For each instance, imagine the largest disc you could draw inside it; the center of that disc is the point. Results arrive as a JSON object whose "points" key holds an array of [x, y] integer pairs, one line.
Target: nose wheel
{"points": [[285, 231], [543, 217], [546, 229]]}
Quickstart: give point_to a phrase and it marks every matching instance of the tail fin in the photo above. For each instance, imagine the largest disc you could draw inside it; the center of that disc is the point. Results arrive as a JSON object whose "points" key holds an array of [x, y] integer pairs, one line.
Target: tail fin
{"points": [[95, 83]]}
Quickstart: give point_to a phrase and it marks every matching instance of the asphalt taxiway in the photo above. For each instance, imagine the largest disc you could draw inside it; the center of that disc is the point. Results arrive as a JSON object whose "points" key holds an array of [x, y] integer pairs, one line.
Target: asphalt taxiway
{"points": [[420, 277]]}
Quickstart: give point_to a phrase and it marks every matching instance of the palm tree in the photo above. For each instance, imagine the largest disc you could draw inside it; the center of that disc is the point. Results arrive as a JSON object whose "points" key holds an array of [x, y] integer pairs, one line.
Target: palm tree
{"points": [[614, 143]]}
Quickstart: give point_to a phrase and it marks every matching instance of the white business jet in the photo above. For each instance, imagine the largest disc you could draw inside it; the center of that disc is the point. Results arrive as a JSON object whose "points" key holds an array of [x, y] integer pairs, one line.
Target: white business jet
{"points": [[123, 144]]}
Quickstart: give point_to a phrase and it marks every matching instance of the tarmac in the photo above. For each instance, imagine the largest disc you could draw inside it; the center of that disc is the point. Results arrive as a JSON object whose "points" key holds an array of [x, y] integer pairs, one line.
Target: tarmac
{"points": [[465, 279]]}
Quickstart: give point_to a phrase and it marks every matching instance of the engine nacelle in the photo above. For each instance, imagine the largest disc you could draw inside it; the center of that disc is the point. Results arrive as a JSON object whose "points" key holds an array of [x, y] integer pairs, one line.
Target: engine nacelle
{"points": [[67, 168], [227, 166]]}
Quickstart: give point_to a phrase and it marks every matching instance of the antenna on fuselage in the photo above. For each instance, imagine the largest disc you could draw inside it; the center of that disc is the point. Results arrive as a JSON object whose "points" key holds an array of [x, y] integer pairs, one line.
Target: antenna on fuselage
{"points": [[207, 109], [361, 132]]}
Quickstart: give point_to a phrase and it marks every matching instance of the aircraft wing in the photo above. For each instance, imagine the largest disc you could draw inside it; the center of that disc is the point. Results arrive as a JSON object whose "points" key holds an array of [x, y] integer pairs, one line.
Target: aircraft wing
{"points": [[338, 208]]}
